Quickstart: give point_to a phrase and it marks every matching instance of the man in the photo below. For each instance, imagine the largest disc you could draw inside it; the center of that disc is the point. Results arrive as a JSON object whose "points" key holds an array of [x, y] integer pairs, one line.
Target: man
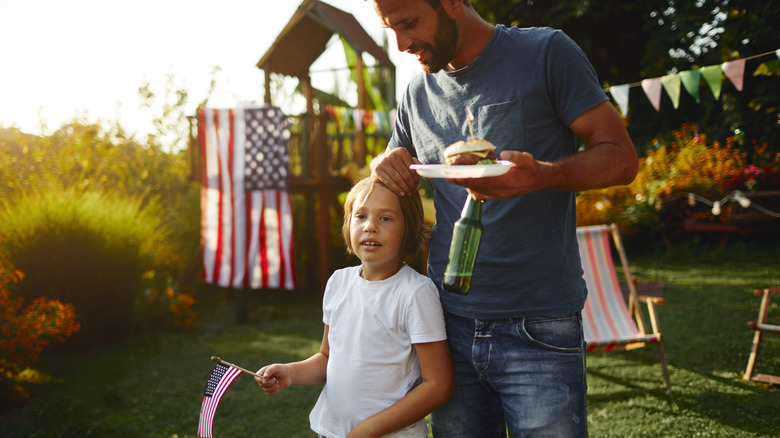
{"points": [[516, 338]]}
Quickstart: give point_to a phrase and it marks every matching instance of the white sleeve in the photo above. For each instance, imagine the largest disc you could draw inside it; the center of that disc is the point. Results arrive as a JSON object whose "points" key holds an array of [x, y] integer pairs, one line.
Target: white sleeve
{"points": [[425, 318]]}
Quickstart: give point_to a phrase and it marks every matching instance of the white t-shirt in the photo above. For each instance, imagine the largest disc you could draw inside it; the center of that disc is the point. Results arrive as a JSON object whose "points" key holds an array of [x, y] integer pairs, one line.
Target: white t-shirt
{"points": [[372, 362]]}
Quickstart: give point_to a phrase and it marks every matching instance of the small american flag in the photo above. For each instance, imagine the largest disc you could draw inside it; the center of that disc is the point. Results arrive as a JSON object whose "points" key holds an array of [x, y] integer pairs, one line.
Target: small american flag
{"points": [[220, 379], [246, 224]]}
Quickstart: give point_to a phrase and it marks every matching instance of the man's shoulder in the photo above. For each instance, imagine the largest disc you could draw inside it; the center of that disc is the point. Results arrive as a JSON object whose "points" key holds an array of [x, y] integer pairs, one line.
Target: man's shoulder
{"points": [[417, 82], [528, 35]]}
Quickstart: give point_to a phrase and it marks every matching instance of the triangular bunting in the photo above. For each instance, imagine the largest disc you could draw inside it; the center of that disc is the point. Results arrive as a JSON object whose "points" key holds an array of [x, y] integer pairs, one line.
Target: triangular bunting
{"points": [[713, 75], [735, 70], [690, 80], [671, 84], [769, 68], [620, 93], [652, 89]]}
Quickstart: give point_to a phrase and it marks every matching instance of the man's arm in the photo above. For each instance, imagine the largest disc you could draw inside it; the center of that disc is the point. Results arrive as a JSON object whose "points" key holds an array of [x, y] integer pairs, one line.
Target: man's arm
{"points": [[609, 159]]}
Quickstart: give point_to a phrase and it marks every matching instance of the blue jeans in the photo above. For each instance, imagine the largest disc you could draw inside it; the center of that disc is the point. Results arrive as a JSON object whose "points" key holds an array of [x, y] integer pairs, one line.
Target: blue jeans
{"points": [[524, 374]]}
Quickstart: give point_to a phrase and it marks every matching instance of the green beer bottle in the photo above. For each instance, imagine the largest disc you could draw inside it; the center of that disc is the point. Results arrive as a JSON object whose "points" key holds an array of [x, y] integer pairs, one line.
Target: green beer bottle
{"points": [[466, 235]]}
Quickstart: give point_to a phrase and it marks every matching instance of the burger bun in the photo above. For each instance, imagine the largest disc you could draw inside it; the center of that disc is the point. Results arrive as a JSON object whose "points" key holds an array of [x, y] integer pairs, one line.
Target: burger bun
{"points": [[464, 147]]}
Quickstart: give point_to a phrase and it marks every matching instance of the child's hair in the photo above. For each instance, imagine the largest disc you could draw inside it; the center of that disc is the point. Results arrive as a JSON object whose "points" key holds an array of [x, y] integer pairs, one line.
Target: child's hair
{"points": [[415, 234]]}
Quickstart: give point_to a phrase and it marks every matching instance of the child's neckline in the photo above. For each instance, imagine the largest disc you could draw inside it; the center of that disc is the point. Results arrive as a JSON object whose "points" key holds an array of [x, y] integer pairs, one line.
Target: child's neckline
{"points": [[360, 274]]}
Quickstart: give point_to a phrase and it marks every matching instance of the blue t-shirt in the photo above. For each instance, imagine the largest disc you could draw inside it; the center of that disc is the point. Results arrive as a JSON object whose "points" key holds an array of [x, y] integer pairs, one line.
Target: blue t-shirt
{"points": [[524, 90]]}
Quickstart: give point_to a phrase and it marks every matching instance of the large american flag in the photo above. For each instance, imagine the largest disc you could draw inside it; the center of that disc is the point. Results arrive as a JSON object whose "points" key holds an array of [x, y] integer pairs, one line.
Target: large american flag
{"points": [[220, 379], [246, 223]]}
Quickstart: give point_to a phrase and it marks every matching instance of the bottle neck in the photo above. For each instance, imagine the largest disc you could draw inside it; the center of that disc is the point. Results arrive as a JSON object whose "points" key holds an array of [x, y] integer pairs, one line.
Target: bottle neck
{"points": [[472, 209]]}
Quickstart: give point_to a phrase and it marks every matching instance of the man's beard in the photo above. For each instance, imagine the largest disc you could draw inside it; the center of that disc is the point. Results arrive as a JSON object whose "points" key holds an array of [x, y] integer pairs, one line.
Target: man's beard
{"points": [[442, 49]]}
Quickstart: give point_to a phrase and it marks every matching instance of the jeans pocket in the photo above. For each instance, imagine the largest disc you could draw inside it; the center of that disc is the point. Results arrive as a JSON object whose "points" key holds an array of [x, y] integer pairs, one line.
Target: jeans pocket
{"points": [[561, 334]]}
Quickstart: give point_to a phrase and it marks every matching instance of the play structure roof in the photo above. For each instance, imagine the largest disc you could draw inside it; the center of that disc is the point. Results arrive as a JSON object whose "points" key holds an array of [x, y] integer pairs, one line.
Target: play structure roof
{"points": [[307, 34]]}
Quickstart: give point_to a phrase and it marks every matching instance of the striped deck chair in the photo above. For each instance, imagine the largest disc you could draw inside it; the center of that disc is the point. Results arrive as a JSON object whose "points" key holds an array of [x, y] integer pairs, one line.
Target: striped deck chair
{"points": [[611, 324]]}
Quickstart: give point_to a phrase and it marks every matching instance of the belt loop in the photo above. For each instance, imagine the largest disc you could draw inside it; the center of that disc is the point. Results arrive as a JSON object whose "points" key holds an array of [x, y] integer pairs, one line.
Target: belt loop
{"points": [[483, 327]]}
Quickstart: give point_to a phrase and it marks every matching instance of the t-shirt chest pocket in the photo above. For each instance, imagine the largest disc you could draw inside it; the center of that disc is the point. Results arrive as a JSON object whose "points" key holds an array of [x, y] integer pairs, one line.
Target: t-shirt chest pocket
{"points": [[502, 124]]}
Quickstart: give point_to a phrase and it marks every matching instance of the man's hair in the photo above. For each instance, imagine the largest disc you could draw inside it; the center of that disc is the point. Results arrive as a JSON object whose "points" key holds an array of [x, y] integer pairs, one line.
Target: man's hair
{"points": [[415, 231]]}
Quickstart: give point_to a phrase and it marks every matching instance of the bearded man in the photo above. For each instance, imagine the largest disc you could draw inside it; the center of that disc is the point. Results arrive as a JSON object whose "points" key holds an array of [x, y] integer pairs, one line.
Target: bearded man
{"points": [[516, 338]]}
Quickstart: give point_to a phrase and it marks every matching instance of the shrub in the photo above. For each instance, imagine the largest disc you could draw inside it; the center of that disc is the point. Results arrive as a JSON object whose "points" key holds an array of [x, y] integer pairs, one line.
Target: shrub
{"points": [[169, 306], [685, 163], [88, 157], [83, 158], [24, 332], [88, 249], [762, 174]]}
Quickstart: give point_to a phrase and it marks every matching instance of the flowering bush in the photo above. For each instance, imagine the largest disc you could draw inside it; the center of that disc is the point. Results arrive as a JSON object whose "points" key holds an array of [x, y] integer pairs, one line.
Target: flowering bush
{"points": [[763, 176], [685, 163], [169, 306], [90, 250], [97, 251], [25, 331]]}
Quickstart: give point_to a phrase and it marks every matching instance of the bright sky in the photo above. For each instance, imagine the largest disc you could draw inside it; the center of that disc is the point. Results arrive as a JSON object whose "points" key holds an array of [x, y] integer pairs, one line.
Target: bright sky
{"points": [[87, 58]]}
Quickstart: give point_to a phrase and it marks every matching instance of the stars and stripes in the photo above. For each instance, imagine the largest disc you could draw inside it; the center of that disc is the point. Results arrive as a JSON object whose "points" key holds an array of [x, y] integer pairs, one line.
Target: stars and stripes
{"points": [[267, 137], [220, 379], [246, 224]]}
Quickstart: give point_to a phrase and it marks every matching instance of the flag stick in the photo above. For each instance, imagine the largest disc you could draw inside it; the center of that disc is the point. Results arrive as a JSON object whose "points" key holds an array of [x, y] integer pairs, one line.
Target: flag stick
{"points": [[218, 360], [469, 118]]}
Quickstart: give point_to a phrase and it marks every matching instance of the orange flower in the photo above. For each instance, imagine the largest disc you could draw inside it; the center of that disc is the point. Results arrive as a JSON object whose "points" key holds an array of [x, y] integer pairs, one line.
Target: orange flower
{"points": [[686, 163], [24, 332]]}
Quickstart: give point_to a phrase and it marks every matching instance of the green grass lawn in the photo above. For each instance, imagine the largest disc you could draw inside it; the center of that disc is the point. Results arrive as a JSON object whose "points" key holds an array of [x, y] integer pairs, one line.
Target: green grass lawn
{"points": [[151, 385]]}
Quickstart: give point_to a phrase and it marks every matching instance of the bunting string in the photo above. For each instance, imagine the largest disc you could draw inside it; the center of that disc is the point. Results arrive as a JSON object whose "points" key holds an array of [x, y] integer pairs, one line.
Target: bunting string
{"points": [[355, 118], [689, 80], [736, 196]]}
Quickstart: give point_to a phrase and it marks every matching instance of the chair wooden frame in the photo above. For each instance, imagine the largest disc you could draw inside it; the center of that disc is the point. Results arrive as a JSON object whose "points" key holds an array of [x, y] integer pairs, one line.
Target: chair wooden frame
{"points": [[760, 326], [610, 323]]}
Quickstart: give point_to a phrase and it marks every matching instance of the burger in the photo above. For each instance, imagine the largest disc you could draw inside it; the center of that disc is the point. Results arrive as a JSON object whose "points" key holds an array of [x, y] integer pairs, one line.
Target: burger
{"points": [[470, 152]]}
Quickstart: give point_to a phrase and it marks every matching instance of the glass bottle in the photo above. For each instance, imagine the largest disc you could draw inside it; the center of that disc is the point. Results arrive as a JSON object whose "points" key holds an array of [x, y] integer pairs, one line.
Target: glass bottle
{"points": [[466, 235]]}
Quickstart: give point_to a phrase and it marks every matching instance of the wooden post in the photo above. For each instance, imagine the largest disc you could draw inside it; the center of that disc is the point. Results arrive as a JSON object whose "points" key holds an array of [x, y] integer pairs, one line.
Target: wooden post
{"points": [[324, 192], [310, 146], [311, 242], [359, 146], [310, 178], [267, 85]]}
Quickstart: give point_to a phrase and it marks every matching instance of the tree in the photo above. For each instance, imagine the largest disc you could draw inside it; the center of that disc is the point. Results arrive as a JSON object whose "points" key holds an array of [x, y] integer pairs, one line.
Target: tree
{"points": [[630, 41]]}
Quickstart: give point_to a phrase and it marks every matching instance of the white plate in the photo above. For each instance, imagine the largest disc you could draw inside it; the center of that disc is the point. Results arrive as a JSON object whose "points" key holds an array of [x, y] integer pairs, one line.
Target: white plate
{"points": [[469, 171]]}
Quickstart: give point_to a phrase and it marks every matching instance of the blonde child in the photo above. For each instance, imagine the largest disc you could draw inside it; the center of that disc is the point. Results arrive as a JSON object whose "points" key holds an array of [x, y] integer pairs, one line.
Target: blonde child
{"points": [[384, 358]]}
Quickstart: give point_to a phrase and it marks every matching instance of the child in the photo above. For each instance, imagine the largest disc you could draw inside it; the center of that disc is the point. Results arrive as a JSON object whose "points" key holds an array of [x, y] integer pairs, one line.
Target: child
{"points": [[384, 357]]}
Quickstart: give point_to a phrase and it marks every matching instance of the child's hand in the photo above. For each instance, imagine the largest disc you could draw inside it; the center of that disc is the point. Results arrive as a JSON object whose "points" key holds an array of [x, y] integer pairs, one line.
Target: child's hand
{"points": [[273, 378]]}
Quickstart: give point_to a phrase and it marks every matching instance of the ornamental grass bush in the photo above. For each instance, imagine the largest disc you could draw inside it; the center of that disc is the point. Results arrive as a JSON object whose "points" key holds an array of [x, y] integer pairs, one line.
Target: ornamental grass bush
{"points": [[92, 250], [81, 160]]}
